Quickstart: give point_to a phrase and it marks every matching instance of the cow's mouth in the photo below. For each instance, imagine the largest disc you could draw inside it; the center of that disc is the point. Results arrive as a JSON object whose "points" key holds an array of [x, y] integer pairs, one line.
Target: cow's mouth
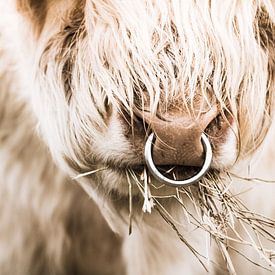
{"points": [[173, 172]]}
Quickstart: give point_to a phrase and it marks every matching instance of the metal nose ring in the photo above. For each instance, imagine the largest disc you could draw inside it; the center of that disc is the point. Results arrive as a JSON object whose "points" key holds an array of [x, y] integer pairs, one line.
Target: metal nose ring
{"points": [[177, 183]]}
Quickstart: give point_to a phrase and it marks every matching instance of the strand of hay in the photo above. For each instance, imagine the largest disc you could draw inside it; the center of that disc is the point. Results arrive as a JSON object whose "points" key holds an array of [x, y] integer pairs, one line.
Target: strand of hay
{"points": [[219, 213], [89, 173]]}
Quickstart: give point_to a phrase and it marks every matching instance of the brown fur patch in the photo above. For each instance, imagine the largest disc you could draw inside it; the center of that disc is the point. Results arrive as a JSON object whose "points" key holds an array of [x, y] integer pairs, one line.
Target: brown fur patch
{"points": [[35, 10]]}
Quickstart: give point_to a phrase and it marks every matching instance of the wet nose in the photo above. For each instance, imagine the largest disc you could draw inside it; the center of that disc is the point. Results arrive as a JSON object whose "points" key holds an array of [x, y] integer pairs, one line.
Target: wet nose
{"points": [[178, 138]]}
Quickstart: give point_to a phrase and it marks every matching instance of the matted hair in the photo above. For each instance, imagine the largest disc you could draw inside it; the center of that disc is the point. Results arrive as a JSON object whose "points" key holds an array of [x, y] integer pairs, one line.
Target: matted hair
{"points": [[223, 51], [85, 64]]}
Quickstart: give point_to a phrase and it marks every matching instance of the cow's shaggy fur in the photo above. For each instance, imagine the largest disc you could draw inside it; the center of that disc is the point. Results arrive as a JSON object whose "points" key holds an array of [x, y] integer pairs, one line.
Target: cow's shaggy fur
{"points": [[73, 75]]}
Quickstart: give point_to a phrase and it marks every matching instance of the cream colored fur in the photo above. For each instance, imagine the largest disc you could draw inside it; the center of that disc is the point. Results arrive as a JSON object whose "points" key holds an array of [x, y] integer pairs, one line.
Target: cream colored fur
{"points": [[110, 50]]}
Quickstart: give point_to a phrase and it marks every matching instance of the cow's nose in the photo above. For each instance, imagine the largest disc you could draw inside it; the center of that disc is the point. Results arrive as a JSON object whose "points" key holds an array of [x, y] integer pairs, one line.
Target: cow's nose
{"points": [[178, 138]]}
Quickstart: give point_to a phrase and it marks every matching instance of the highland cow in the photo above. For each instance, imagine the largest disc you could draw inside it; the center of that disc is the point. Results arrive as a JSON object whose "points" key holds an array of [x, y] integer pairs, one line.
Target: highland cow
{"points": [[162, 111]]}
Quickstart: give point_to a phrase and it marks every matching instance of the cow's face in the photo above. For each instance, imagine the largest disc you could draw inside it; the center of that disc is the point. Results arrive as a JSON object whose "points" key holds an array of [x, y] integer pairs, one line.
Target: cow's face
{"points": [[109, 73]]}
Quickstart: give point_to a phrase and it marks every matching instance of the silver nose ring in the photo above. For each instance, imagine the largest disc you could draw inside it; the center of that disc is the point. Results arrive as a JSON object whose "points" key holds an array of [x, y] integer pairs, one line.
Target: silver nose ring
{"points": [[177, 183]]}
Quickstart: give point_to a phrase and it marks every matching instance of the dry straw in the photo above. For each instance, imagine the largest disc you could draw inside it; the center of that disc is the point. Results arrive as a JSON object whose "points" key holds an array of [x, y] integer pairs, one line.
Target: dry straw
{"points": [[219, 213]]}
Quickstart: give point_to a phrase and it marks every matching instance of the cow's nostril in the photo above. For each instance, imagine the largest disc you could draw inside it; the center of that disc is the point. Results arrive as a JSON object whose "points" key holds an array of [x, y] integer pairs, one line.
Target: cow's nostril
{"points": [[219, 125], [215, 125]]}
